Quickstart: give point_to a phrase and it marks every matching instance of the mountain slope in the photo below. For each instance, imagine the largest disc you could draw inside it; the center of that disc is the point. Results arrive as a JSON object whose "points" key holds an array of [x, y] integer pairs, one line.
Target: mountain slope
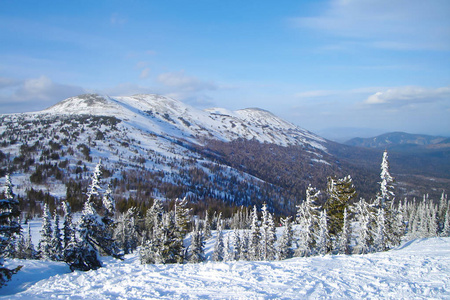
{"points": [[397, 140], [165, 116]]}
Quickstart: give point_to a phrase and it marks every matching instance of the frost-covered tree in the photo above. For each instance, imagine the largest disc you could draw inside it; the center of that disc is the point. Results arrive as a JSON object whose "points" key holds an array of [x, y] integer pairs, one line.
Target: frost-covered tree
{"points": [[340, 192], [380, 232], [343, 242], [126, 233], [446, 226], [285, 243], [268, 236], [56, 242], [386, 194], [323, 237], [68, 227], [228, 250], [9, 226], [244, 246], [197, 247], [237, 245], [307, 217], [364, 232], [207, 226], [218, 253], [46, 251], [30, 251], [182, 217], [254, 247]]}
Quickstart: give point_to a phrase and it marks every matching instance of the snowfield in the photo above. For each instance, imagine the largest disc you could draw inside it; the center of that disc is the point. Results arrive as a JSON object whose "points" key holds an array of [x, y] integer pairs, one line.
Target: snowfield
{"points": [[418, 269]]}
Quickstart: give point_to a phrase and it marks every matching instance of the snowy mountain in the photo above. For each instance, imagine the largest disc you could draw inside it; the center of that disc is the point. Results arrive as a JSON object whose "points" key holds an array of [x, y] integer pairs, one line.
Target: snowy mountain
{"points": [[168, 117], [152, 146]]}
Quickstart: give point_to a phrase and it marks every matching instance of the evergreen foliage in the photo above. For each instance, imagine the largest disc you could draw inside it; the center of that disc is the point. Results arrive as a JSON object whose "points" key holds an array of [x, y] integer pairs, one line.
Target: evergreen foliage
{"points": [[340, 193], [9, 226], [285, 244], [46, 250]]}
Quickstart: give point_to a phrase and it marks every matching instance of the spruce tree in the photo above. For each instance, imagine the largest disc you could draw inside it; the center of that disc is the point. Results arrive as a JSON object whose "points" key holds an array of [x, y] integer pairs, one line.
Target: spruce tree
{"points": [[254, 247], [343, 246], [237, 247], [323, 238], [207, 226], [197, 248], [68, 228], [365, 224], [30, 251], [9, 226], [218, 254], [380, 234], [46, 251], [285, 244], [56, 242], [340, 192], [268, 236]]}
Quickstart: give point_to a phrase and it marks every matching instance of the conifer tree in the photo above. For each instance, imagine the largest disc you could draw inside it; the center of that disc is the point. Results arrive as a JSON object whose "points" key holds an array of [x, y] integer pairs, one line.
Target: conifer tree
{"points": [[254, 247], [285, 244], [244, 246], [343, 246], [9, 226], [218, 254], [30, 251], [365, 220], [268, 236], [446, 226], [237, 247], [386, 194], [68, 228], [340, 192], [207, 226], [56, 241], [197, 248], [380, 235], [45, 244], [228, 251], [126, 232], [323, 238]]}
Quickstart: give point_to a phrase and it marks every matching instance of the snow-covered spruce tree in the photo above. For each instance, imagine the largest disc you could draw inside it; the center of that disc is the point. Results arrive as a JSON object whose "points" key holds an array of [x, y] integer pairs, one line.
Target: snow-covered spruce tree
{"points": [[446, 227], [386, 194], [380, 232], [9, 226], [237, 247], [207, 226], [323, 237], [218, 254], [56, 242], [268, 236], [254, 247], [46, 251], [285, 243], [68, 228], [244, 246], [126, 232], [30, 251], [364, 232], [171, 250], [228, 250], [307, 217], [340, 192], [197, 247], [442, 212], [151, 248], [182, 217], [343, 242], [385, 200]]}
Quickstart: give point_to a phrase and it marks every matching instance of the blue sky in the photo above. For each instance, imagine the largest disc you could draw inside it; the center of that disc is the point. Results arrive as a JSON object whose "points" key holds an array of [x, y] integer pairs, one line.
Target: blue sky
{"points": [[380, 64]]}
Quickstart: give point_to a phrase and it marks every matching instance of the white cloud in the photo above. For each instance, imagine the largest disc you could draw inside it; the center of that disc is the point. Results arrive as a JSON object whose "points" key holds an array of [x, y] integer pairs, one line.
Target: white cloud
{"points": [[401, 96], [399, 24], [41, 92]]}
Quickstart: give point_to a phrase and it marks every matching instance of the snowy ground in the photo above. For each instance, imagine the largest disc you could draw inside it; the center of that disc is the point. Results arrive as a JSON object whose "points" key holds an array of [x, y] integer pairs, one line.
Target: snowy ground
{"points": [[419, 269]]}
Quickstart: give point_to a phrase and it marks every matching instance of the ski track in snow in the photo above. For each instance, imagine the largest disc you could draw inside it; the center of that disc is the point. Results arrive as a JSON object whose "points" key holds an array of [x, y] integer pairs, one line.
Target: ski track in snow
{"points": [[419, 269]]}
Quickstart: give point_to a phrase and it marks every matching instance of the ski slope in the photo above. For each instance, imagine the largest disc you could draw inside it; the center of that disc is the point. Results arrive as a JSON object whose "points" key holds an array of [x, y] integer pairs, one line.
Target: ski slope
{"points": [[418, 269]]}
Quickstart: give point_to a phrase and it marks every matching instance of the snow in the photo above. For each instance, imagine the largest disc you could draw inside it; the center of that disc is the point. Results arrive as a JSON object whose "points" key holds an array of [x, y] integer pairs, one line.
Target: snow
{"points": [[419, 269]]}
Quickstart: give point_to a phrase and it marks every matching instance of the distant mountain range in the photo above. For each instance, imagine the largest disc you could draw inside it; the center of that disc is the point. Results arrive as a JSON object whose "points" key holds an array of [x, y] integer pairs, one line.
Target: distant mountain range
{"points": [[401, 140], [154, 146]]}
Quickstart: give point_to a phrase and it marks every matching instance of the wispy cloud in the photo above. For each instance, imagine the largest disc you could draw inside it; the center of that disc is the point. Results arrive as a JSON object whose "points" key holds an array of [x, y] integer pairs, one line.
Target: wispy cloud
{"points": [[41, 92], [409, 95], [395, 25]]}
